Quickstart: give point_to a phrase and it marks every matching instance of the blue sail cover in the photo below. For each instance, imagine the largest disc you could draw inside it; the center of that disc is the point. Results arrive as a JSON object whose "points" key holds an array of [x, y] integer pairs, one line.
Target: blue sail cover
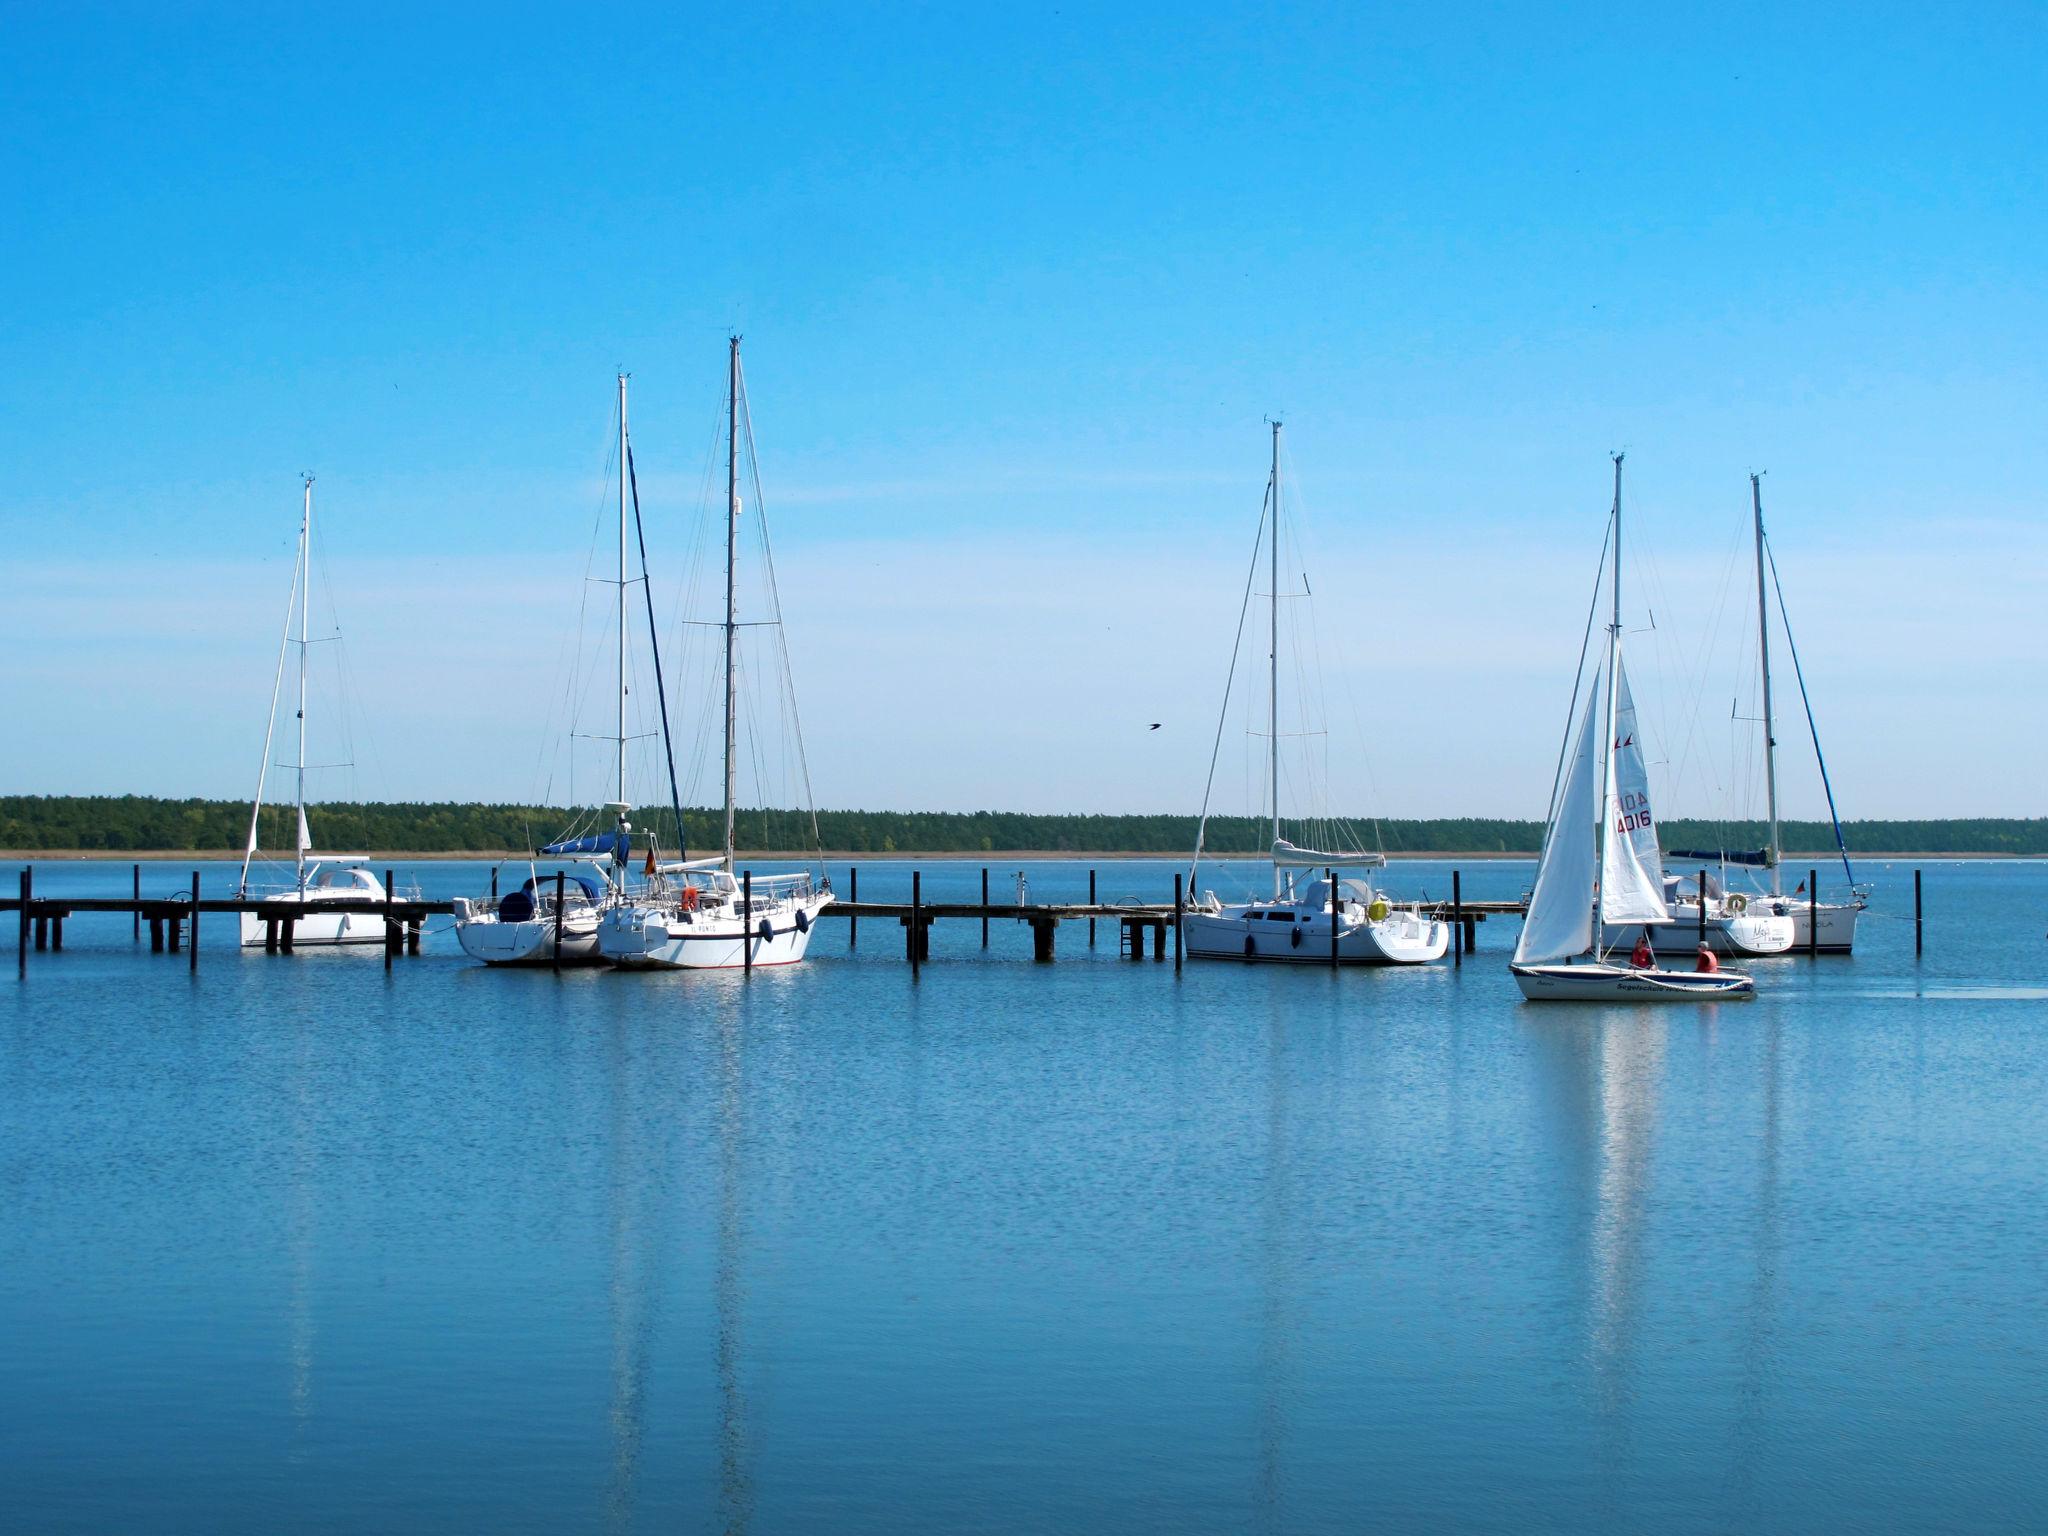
{"points": [[618, 844]]}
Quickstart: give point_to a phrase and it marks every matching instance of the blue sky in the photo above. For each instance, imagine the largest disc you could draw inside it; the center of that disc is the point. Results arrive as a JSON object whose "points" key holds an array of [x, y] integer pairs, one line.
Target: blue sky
{"points": [[1019, 290]]}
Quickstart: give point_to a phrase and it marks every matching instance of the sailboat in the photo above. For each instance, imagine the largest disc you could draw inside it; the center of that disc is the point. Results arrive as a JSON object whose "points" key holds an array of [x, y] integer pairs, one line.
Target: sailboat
{"points": [[520, 928], [328, 878], [1828, 927], [1302, 924], [1601, 868], [703, 914]]}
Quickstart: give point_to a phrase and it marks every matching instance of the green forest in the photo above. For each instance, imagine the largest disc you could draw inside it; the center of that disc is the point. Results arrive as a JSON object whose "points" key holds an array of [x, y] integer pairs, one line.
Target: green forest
{"points": [[79, 823]]}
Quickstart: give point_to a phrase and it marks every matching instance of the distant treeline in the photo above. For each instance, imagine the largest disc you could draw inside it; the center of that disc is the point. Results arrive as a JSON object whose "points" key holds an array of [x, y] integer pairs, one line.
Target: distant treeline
{"points": [[143, 824]]}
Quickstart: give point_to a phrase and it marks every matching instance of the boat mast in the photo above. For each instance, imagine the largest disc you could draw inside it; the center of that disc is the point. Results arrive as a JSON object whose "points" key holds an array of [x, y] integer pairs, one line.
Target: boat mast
{"points": [[1273, 658], [1763, 651], [732, 527], [1606, 823], [305, 603], [622, 598]]}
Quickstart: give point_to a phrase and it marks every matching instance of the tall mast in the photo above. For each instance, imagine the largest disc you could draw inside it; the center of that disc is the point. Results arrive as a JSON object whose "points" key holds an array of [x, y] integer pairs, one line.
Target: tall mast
{"points": [[1273, 656], [622, 597], [1763, 651], [305, 603], [1606, 825], [732, 528]]}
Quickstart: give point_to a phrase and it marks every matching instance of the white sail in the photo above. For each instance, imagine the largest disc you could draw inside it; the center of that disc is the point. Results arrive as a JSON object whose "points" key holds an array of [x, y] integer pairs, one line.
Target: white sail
{"points": [[1632, 881], [305, 833], [1559, 922]]}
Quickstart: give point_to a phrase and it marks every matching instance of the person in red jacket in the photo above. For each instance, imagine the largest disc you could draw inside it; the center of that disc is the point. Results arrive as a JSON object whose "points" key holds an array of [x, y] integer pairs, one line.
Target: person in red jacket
{"points": [[1707, 963], [1643, 957]]}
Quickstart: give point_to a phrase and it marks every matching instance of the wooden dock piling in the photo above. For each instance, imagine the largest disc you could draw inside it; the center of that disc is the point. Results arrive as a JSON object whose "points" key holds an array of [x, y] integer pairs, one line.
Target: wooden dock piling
{"points": [[1812, 914], [560, 884], [1042, 930], [1919, 932], [1091, 902], [136, 871], [853, 895], [391, 931], [21, 955], [984, 907], [192, 938], [1457, 921], [1180, 908], [1336, 912], [746, 916]]}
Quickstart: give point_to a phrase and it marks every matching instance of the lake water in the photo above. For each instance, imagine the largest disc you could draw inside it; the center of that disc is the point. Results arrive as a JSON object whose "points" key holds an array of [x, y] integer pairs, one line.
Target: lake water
{"points": [[297, 1243]]}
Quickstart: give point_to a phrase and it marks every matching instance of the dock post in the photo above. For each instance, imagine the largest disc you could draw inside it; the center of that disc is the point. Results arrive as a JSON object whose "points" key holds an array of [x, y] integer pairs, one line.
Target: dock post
{"points": [[390, 928], [412, 937], [1457, 920], [156, 933], [494, 887], [1158, 928], [557, 957], [1091, 902], [56, 930], [177, 932], [21, 954], [984, 907], [1813, 914], [1335, 914], [747, 910], [1919, 937], [287, 931], [137, 871], [42, 933], [916, 918], [1703, 903], [853, 896], [1180, 907], [270, 935], [1042, 929], [192, 938]]}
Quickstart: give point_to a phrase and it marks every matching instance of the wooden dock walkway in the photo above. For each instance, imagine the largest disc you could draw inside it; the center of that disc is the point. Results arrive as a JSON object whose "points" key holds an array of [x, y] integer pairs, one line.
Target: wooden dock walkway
{"points": [[174, 920]]}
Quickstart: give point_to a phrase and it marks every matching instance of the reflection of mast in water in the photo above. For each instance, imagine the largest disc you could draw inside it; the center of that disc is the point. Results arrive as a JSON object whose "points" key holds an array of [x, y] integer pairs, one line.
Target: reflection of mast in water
{"points": [[631, 1307], [1630, 1057], [735, 1488], [1751, 1431], [305, 1162], [1276, 1323]]}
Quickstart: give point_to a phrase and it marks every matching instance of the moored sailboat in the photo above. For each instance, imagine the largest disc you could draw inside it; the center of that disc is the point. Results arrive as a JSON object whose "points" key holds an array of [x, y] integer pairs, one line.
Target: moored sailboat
{"points": [[1814, 926], [705, 914], [1349, 920], [326, 879], [1601, 869]]}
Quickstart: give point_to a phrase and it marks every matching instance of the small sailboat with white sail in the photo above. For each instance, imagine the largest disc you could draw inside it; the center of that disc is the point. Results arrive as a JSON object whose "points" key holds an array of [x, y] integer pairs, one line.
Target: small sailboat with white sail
{"points": [[706, 914], [1601, 870], [552, 916], [1824, 927], [328, 879], [1307, 919]]}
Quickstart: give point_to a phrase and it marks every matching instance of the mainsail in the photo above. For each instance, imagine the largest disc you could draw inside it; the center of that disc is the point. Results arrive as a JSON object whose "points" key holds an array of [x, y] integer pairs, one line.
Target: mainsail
{"points": [[1632, 877], [1559, 922]]}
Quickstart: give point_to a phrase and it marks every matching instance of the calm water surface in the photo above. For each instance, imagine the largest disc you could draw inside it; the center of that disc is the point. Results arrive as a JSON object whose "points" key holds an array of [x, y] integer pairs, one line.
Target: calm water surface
{"points": [[297, 1243]]}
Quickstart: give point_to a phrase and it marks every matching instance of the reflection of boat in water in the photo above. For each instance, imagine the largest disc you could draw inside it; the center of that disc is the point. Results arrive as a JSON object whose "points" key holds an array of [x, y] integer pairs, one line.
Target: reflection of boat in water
{"points": [[1601, 872]]}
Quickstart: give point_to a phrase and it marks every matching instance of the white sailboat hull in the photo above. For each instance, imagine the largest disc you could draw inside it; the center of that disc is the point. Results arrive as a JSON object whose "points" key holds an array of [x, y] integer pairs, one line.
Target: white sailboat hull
{"points": [[1748, 933], [321, 928], [1834, 923], [1251, 936], [662, 936], [487, 937], [1593, 982]]}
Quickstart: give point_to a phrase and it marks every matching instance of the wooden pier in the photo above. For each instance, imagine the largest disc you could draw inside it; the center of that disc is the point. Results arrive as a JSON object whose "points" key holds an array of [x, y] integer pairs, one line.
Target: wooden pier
{"points": [[1144, 928]]}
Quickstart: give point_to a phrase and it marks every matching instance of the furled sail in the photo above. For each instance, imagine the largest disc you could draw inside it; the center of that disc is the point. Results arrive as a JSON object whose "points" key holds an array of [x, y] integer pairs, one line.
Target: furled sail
{"points": [[1632, 883], [305, 833], [618, 844], [1559, 922], [1287, 856]]}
